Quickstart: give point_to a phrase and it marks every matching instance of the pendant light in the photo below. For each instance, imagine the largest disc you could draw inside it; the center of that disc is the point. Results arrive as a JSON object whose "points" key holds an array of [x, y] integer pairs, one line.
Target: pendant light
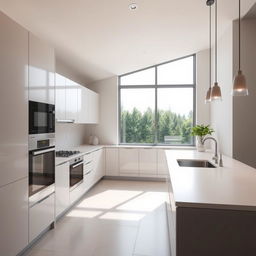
{"points": [[239, 86], [216, 91], [208, 94]]}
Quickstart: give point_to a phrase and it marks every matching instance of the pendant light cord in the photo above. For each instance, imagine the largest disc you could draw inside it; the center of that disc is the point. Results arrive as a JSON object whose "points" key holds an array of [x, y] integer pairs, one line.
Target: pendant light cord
{"points": [[210, 48], [216, 33], [239, 36]]}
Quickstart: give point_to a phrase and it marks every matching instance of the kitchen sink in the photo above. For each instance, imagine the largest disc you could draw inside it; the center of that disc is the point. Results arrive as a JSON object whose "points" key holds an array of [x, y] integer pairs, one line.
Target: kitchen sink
{"points": [[195, 163]]}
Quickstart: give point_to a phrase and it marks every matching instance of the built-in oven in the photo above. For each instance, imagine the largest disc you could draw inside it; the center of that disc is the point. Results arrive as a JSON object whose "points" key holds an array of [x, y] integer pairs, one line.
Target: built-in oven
{"points": [[41, 118], [76, 170], [41, 162]]}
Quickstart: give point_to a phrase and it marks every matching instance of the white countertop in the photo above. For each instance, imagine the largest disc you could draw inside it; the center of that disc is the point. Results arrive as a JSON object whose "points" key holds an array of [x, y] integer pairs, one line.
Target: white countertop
{"points": [[84, 149], [230, 187]]}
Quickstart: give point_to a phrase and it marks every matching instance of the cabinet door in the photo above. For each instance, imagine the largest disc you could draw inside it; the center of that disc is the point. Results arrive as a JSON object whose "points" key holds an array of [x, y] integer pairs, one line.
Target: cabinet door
{"points": [[13, 101], [60, 106], [112, 161], [41, 216], [41, 71], [87, 106], [93, 107], [148, 162], [71, 100], [14, 217], [98, 160], [129, 161], [162, 167], [61, 188], [82, 105]]}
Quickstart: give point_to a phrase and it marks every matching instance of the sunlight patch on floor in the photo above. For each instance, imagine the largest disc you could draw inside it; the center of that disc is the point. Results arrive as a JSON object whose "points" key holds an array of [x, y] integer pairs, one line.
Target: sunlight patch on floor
{"points": [[84, 213], [108, 199], [122, 216], [146, 202]]}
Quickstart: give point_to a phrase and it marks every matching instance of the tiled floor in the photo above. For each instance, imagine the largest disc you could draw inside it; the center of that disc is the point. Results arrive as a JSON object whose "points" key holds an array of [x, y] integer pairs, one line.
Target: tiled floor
{"points": [[115, 218]]}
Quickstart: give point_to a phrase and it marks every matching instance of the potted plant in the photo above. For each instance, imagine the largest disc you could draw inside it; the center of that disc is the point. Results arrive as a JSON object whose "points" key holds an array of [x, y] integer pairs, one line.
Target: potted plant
{"points": [[200, 131]]}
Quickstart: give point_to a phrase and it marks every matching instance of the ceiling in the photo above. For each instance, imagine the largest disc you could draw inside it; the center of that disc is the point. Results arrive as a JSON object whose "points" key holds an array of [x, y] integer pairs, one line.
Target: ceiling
{"points": [[100, 38]]}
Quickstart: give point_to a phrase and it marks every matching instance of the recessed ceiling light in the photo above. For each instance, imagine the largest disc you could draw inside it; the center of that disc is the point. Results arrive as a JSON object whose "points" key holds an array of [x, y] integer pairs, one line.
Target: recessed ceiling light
{"points": [[133, 6]]}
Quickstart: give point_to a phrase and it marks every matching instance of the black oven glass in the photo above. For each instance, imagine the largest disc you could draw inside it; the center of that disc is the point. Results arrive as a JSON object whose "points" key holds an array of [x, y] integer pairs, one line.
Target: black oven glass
{"points": [[41, 170], [41, 118], [76, 173]]}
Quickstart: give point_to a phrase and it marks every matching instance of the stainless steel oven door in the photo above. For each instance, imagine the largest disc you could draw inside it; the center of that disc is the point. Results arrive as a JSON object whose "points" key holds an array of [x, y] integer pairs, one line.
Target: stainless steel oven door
{"points": [[76, 173], [41, 169]]}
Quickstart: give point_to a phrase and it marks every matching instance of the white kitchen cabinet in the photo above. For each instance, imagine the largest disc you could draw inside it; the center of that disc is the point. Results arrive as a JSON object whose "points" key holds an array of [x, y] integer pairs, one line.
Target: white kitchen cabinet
{"points": [[98, 163], [60, 89], [41, 216], [77, 192], [13, 101], [82, 105], [112, 161], [148, 162], [14, 217], [93, 110], [129, 161], [61, 188], [162, 168], [41, 71], [88, 106], [71, 100]]}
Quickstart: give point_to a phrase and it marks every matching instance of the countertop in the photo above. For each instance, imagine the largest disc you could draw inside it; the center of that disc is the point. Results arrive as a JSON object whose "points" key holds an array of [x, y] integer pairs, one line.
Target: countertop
{"points": [[230, 187], [84, 149]]}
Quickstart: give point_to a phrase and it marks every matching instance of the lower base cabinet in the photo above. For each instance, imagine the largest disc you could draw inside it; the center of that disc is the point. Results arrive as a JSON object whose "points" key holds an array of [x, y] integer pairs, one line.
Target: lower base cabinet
{"points": [[41, 216], [14, 217], [62, 200]]}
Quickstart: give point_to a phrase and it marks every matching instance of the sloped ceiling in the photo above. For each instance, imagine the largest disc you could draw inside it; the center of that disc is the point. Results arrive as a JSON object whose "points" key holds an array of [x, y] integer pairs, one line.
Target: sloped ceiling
{"points": [[101, 38]]}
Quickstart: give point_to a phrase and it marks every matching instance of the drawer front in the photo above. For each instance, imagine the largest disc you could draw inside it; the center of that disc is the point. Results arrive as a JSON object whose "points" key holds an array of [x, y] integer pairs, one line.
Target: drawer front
{"points": [[41, 215], [77, 192], [88, 167], [88, 158]]}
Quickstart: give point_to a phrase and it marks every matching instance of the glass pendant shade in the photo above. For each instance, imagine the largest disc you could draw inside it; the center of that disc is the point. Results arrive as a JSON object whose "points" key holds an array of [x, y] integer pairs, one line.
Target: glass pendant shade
{"points": [[216, 92], [239, 87], [208, 96]]}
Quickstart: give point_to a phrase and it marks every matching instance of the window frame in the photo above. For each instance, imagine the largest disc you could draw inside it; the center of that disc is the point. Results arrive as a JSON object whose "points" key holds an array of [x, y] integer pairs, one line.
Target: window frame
{"points": [[156, 86]]}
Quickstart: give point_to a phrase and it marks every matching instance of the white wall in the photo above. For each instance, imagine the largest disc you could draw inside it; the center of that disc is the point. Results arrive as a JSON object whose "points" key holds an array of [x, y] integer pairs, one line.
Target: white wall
{"points": [[70, 135], [107, 129], [244, 125], [221, 112]]}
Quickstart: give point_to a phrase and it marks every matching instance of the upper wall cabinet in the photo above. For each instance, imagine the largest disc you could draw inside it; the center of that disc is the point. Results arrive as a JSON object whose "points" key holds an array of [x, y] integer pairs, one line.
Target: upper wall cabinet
{"points": [[41, 71], [75, 103], [66, 99], [88, 106], [71, 100], [13, 101]]}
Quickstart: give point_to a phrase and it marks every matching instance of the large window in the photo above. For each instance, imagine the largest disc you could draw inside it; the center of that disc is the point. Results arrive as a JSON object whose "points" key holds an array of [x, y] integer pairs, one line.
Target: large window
{"points": [[156, 105]]}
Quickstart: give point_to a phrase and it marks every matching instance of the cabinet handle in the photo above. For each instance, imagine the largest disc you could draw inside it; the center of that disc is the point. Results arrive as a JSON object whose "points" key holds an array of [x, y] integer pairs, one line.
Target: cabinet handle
{"points": [[41, 200], [88, 172], [65, 120], [42, 151], [88, 162], [76, 165]]}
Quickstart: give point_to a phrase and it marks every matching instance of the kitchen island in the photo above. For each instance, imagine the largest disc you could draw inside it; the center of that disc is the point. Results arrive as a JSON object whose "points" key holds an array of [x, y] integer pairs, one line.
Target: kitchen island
{"points": [[212, 211]]}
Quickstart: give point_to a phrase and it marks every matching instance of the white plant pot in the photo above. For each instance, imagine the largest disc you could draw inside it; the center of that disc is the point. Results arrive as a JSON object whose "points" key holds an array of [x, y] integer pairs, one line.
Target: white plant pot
{"points": [[200, 145]]}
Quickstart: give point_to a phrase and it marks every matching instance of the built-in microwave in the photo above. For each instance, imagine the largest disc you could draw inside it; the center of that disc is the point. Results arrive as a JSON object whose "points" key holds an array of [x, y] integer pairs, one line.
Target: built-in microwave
{"points": [[41, 118]]}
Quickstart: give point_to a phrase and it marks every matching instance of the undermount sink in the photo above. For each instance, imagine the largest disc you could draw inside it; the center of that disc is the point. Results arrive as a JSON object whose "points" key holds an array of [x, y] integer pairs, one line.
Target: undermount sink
{"points": [[195, 163]]}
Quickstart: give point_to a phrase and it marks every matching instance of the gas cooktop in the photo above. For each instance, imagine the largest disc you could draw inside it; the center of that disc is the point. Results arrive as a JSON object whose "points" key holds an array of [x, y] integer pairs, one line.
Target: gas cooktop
{"points": [[66, 153]]}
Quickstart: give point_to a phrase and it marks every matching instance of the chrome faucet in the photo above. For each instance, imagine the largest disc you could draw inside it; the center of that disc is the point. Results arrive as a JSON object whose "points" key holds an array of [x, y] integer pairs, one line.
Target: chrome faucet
{"points": [[215, 158]]}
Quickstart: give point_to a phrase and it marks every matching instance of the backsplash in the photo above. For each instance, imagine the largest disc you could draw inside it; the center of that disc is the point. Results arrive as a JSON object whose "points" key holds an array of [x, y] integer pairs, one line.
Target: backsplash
{"points": [[70, 135]]}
